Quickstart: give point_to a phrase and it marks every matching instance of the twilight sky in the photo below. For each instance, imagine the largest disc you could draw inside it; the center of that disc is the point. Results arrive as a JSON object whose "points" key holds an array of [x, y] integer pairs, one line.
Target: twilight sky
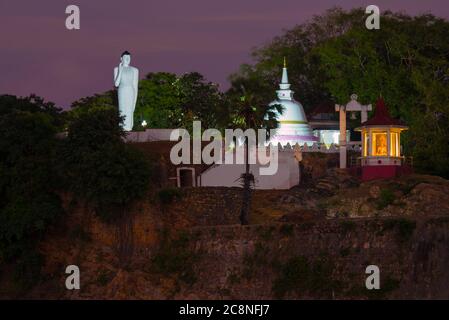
{"points": [[39, 55]]}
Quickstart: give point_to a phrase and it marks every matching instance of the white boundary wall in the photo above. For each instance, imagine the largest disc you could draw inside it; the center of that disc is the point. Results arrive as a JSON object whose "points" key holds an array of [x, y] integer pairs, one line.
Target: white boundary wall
{"points": [[228, 175], [148, 135]]}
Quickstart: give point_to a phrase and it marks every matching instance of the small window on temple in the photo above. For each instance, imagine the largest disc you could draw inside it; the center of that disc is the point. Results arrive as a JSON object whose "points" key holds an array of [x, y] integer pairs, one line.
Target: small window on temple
{"points": [[394, 144]]}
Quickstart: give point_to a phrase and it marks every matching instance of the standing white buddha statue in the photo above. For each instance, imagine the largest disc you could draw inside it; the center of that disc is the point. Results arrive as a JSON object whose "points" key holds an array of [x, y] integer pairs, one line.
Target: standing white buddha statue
{"points": [[126, 79]]}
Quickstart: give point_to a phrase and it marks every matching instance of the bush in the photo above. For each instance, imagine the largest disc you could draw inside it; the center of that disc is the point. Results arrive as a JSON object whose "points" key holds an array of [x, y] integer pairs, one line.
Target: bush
{"points": [[386, 198], [255, 260], [93, 127], [175, 258], [99, 167], [23, 220], [28, 201]]}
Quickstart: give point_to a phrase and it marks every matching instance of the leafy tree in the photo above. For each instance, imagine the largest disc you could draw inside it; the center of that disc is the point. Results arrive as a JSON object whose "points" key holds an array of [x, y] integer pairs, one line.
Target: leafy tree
{"points": [[95, 126], [29, 203], [106, 99], [168, 101], [249, 112], [158, 102], [33, 104], [296, 45], [201, 100], [98, 166], [408, 64]]}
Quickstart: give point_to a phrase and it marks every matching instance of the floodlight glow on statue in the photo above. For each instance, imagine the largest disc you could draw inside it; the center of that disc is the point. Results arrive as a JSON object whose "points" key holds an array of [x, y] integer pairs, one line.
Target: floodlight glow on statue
{"points": [[126, 79]]}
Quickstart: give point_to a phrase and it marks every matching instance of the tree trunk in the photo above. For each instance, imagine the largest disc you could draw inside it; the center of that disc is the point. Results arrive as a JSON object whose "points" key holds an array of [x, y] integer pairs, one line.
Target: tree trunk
{"points": [[244, 213]]}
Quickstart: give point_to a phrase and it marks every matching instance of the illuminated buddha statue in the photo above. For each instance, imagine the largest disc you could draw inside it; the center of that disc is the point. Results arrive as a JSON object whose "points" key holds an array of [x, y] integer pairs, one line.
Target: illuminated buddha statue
{"points": [[381, 145], [126, 79]]}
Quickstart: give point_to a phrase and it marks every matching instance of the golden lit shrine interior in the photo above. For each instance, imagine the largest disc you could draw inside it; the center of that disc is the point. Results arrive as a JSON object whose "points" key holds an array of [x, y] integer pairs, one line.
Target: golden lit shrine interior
{"points": [[379, 145]]}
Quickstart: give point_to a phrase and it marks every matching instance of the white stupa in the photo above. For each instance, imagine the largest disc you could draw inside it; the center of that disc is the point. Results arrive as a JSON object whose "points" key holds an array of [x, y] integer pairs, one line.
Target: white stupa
{"points": [[293, 126]]}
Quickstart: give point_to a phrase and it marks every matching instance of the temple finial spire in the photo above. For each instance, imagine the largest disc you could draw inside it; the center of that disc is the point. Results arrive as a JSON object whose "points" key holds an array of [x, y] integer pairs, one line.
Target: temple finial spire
{"points": [[284, 79]]}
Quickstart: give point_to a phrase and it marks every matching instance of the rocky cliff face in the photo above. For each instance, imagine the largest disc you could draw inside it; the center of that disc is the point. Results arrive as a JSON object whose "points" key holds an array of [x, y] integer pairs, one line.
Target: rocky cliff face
{"points": [[310, 242], [414, 195], [323, 260]]}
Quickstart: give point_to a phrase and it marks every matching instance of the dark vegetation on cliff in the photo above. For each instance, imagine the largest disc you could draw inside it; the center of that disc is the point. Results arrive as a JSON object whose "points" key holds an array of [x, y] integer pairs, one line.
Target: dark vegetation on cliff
{"points": [[37, 167]]}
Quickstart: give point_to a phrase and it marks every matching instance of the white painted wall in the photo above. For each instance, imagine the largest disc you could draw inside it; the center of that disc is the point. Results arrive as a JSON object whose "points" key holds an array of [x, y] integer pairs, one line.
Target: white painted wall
{"points": [[227, 175], [328, 136]]}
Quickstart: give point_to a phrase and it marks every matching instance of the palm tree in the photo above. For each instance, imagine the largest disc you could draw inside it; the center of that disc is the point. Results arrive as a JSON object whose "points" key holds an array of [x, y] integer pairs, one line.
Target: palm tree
{"points": [[250, 112]]}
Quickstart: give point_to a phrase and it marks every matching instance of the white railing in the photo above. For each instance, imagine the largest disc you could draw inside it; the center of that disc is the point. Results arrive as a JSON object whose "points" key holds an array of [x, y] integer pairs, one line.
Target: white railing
{"points": [[320, 147]]}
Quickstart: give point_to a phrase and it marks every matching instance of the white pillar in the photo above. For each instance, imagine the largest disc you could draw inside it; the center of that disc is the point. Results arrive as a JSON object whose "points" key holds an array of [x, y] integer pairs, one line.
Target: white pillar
{"points": [[364, 114], [342, 137], [370, 142]]}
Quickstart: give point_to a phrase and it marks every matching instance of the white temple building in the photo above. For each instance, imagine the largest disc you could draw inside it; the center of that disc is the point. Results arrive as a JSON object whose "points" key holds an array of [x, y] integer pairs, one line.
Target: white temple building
{"points": [[293, 126], [228, 175]]}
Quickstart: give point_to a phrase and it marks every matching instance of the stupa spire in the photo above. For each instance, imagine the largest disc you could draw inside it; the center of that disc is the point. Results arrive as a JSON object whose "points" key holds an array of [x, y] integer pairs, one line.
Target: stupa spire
{"points": [[284, 85]]}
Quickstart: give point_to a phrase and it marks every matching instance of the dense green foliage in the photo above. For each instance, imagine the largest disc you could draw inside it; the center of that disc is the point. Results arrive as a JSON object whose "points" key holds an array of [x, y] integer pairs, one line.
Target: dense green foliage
{"points": [[32, 104], [158, 102], [97, 166], [334, 55], [107, 99], [37, 165], [28, 201]]}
